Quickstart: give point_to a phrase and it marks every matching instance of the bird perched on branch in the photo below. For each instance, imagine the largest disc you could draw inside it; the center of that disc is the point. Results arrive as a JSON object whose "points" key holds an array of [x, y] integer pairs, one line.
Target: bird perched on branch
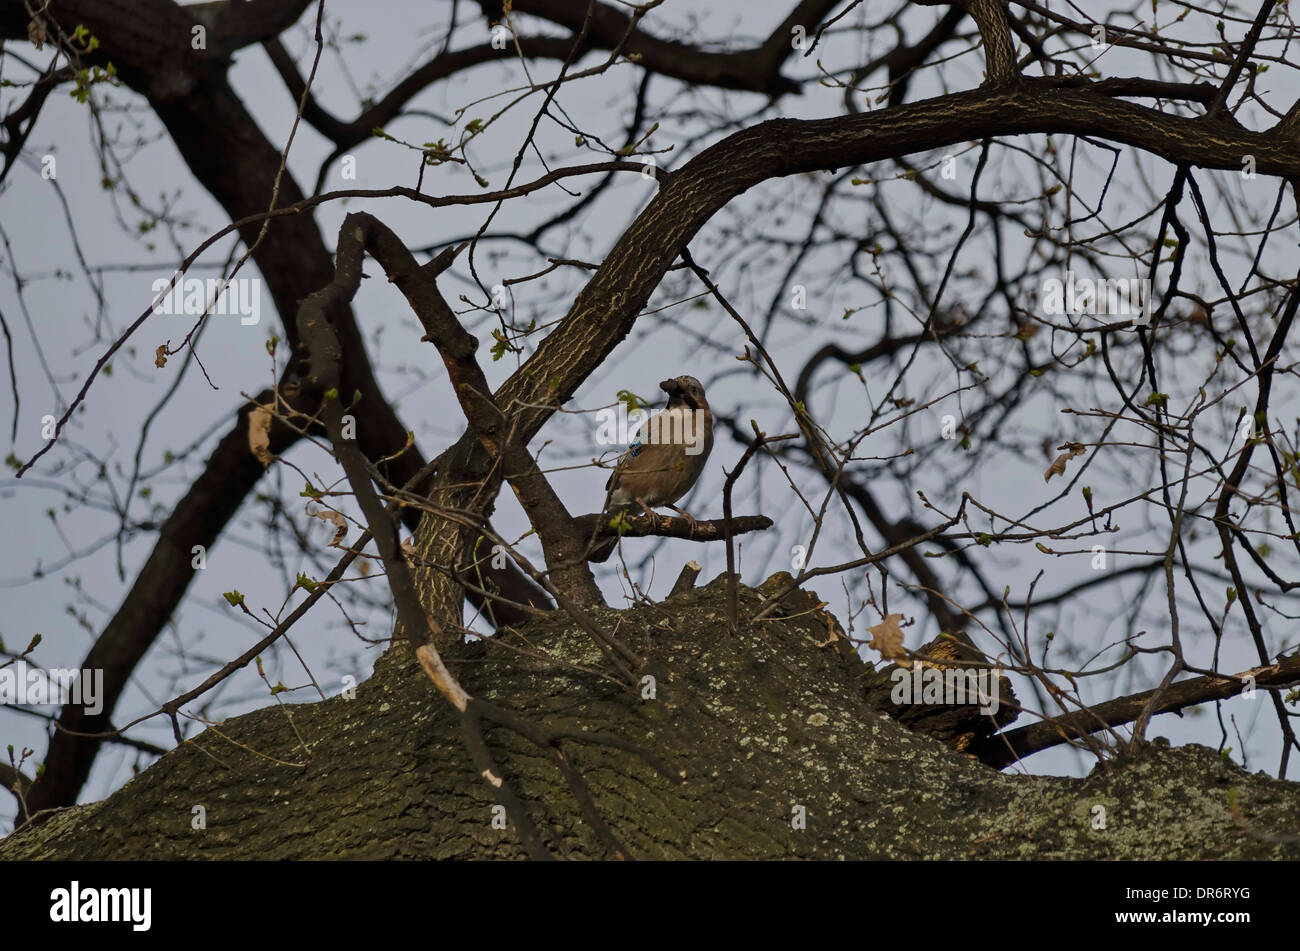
{"points": [[666, 458]]}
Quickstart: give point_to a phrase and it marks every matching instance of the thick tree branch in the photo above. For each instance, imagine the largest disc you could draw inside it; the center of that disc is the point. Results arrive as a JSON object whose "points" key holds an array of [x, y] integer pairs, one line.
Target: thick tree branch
{"points": [[562, 545], [1003, 749], [670, 526], [235, 24], [754, 70]]}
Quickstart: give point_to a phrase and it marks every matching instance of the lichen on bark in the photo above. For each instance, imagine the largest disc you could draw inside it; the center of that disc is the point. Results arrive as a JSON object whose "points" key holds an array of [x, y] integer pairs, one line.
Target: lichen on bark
{"points": [[767, 723]]}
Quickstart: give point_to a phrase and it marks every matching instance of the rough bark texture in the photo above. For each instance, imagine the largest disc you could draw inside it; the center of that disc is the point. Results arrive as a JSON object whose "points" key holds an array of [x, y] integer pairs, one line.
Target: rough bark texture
{"points": [[763, 721]]}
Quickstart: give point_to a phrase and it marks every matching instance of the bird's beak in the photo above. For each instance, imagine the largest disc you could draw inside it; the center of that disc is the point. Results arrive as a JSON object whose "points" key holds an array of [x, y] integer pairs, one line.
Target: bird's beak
{"points": [[670, 387]]}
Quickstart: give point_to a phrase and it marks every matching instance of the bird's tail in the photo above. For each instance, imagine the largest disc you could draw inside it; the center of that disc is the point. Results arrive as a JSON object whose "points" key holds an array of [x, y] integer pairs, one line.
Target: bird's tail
{"points": [[603, 548]]}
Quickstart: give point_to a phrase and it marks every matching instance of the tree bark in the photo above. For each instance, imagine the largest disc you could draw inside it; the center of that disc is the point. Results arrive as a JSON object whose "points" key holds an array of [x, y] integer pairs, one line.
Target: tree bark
{"points": [[767, 725]]}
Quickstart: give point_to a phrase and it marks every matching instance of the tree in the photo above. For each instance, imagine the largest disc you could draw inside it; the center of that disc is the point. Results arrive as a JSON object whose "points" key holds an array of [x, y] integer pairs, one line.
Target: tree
{"points": [[1095, 278]]}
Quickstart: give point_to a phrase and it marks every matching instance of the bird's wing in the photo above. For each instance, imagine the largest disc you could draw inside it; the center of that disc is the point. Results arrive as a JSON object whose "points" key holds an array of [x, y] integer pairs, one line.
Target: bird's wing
{"points": [[629, 454]]}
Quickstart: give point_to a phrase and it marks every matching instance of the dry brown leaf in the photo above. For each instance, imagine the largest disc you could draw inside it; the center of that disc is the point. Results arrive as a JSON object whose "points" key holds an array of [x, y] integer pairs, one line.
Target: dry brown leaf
{"points": [[259, 434], [334, 518], [160, 356], [887, 638], [1057, 467]]}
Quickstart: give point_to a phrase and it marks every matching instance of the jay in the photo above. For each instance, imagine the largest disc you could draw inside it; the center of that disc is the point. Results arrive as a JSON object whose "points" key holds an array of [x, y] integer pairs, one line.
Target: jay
{"points": [[664, 460]]}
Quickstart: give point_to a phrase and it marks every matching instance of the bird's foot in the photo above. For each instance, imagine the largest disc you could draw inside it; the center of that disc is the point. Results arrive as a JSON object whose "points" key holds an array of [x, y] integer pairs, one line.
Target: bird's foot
{"points": [[691, 521], [656, 520]]}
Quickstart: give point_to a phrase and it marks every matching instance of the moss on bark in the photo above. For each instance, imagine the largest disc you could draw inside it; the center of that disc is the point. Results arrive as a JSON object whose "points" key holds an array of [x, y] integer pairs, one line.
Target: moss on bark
{"points": [[762, 722]]}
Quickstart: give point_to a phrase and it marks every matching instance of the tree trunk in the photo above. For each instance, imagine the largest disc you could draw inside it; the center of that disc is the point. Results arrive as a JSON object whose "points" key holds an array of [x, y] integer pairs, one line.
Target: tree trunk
{"points": [[767, 725]]}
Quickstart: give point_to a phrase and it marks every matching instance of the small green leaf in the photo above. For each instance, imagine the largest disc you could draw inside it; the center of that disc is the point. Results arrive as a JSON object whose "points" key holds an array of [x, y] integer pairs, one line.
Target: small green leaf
{"points": [[500, 345], [630, 400]]}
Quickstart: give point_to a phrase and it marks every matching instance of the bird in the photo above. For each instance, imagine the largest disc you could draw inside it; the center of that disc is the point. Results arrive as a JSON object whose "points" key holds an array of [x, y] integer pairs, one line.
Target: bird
{"points": [[665, 459]]}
